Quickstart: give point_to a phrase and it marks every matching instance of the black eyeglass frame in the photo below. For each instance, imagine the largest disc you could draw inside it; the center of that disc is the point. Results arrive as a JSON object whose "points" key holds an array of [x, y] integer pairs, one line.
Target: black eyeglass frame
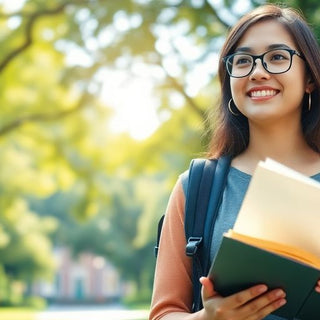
{"points": [[261, 57]]}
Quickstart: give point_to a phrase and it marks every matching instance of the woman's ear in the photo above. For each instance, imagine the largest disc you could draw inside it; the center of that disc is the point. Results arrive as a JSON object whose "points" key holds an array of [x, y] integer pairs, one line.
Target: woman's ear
{"points": [[309, 88], [310, 85]]}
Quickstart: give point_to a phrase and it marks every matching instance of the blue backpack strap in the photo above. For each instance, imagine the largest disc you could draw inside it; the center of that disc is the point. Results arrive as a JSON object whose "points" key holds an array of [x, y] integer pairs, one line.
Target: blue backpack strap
{"points": [[205, 185], [218, 186], [207, 180], [201, 175], [190, 180]]}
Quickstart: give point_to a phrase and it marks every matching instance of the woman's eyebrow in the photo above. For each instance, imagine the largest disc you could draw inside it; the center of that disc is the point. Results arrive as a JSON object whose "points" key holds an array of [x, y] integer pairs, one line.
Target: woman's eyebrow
{"points": [[278, 46], [243, 49], [270, 47]]}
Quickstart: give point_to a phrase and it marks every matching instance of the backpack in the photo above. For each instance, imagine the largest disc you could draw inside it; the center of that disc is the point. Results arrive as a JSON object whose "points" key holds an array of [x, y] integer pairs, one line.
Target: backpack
{"points": [[206, 182]]}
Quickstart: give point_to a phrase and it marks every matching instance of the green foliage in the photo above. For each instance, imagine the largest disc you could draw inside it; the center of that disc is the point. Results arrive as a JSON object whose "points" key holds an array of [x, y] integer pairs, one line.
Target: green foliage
{"points": [[309, 8], [26, 253]]}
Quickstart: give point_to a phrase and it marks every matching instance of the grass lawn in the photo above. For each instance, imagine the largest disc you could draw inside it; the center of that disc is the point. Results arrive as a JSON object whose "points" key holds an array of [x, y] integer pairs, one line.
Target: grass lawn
{"points": [[17, 314]]}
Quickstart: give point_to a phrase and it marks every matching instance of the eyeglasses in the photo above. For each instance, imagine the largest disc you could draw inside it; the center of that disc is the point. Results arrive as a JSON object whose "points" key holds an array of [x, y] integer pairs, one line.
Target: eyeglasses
{"points": [[274, 61]]}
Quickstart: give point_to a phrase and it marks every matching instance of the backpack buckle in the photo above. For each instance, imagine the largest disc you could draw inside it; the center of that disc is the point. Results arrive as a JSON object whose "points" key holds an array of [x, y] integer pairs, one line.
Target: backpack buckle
{"points": [[192, 245]]}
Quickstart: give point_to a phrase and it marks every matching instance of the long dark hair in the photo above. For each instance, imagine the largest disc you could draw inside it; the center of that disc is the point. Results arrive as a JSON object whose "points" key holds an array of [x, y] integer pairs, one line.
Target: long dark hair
{"points": [[231, 132]]}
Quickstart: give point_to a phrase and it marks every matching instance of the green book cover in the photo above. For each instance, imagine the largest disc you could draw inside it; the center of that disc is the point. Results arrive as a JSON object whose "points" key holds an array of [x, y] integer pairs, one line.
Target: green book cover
{"points": [[238, 266]]}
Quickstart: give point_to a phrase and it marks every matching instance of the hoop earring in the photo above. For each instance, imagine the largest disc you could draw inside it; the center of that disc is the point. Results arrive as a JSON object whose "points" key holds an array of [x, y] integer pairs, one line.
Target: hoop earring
{"points": [[309, 102], [229, 107]]}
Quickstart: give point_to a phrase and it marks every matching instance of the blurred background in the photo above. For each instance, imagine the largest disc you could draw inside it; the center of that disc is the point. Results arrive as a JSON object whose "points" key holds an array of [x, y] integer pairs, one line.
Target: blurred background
{"points": [[103, 103]]}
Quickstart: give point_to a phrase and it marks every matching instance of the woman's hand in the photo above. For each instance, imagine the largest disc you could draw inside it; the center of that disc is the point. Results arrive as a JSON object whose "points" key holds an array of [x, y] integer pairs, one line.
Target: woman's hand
{"points": [[317, 288], [254, 303]]}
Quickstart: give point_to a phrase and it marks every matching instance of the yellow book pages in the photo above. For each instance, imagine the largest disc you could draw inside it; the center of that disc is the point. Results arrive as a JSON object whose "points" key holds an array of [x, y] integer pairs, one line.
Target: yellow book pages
{"points": [[281, 205], [278, 248]]}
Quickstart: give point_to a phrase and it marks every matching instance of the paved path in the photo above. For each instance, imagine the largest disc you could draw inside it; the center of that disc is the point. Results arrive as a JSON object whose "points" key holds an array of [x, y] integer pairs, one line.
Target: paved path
{"points": [[93, 313]]}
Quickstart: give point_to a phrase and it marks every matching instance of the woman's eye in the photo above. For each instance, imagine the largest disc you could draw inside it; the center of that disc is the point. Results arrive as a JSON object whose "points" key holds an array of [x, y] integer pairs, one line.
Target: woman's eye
{"points": [[242, 60], [278, 57]]}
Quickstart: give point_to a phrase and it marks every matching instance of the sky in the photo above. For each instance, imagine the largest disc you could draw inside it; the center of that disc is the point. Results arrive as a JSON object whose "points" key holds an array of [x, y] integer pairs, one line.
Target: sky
{"points": [[134, 104]]}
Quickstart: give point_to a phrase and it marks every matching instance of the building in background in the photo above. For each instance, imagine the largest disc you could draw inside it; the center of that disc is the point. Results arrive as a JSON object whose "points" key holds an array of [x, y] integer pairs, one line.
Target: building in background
{"points": [[87, 279]]}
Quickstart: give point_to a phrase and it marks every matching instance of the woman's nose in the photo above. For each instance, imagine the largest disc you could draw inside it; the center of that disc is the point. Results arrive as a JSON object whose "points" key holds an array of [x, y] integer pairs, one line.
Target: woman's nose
{"points": [[259, 71]]}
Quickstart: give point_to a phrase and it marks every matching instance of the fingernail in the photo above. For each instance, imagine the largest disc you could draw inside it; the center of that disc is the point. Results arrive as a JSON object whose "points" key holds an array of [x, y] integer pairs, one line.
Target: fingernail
{"points": [[279, 293], [261, 289], [282, 302]]}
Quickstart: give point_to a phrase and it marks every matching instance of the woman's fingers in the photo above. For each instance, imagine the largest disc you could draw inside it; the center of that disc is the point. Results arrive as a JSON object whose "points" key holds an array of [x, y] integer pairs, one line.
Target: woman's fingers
{"points": [[263, 305], [240, 298], [256, 302], [207, 288], [253, 303]]}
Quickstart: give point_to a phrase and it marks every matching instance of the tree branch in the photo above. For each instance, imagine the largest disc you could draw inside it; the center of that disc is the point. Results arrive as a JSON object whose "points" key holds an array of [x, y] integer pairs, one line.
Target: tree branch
{"points": [[191, 103], [42, 117], [33, 18]]}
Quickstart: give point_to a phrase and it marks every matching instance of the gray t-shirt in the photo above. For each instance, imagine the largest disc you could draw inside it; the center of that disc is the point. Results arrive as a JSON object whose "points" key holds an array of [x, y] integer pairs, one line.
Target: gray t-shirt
{"points": [[236, 187]]}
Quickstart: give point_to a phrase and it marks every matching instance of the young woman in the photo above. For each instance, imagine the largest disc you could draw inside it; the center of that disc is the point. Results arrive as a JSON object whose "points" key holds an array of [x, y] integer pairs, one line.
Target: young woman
{"points": [[270, 81]]}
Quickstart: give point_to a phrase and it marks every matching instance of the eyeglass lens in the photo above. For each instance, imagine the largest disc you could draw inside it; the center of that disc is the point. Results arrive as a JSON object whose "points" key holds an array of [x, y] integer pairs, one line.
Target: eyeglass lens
{"points": [[274, 61]]}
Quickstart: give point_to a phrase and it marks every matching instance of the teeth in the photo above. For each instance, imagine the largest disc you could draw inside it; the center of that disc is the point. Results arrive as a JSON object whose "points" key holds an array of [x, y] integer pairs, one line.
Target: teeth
{"points": [[263, 93]]}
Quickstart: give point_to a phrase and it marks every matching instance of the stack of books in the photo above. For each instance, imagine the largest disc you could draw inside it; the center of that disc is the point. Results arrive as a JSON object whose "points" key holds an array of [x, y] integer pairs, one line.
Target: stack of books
{"points": [[275, 241]]}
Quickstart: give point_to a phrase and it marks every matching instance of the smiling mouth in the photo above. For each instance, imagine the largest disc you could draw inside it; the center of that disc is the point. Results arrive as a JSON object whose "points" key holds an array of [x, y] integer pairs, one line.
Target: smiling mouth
{"points": [[262, 93]]}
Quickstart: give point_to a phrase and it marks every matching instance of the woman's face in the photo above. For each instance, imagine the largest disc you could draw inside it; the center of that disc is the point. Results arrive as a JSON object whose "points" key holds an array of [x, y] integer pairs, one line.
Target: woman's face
{"points": [[262, 96]]}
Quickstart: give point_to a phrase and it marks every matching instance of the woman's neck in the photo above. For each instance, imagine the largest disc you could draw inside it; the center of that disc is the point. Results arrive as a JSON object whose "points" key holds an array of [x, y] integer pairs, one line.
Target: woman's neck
{"points": [[285, 145]]}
